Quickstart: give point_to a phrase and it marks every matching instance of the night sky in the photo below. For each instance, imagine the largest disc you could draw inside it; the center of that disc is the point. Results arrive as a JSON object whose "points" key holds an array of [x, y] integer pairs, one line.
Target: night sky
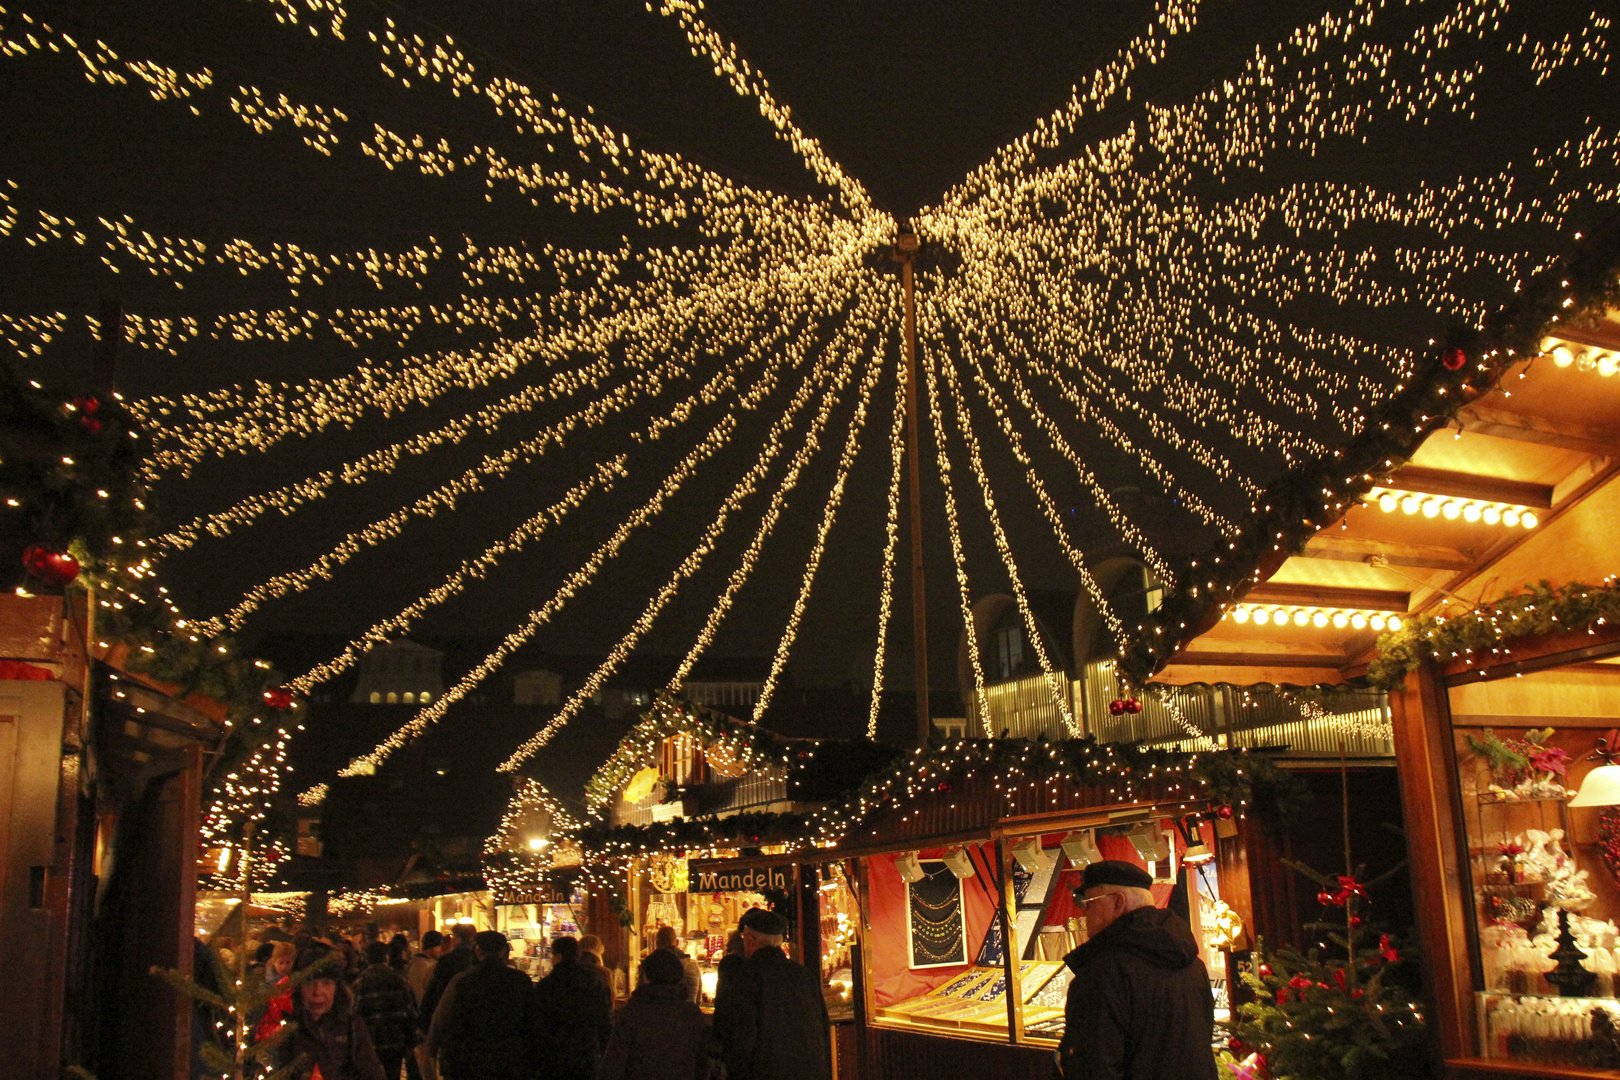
{"points": [[908, 96]]}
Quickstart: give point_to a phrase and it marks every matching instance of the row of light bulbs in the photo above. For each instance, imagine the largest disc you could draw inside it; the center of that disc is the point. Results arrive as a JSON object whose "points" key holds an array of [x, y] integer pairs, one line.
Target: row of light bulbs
{"points": [[1469, 510], [1605, 362], [1321, 618]]}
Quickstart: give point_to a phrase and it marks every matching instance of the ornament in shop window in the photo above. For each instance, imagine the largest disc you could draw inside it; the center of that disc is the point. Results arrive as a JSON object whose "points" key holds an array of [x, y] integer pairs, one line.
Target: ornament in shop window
{"points": [[278, 698], [1454, 359], [54, 568]]}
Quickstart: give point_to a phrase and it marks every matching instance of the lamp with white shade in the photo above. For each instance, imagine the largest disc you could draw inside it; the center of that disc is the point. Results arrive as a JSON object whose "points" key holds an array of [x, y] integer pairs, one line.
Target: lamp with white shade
{"points": [[1602, 785]]}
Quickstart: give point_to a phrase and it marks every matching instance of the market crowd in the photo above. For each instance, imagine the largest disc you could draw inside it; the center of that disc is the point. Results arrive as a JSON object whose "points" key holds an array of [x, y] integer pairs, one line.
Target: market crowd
{"points": [[456, 1009]]}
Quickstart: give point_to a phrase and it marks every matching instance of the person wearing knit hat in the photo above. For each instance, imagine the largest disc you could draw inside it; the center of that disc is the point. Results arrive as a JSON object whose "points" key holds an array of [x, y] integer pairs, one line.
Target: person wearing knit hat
{"points": [[1140, 1005], [327, 1034]]}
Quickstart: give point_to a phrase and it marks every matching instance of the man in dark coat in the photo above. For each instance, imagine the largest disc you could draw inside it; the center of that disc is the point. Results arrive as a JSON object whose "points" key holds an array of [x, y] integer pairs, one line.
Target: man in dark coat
{"points": [[573, 1016], [771, 1019], [1140, 1006], [482, 1027], [450, 965]]}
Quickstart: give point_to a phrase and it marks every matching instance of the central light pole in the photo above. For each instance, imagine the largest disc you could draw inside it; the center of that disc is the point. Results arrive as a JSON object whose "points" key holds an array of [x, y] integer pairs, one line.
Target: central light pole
{"points": [[905, 252]]}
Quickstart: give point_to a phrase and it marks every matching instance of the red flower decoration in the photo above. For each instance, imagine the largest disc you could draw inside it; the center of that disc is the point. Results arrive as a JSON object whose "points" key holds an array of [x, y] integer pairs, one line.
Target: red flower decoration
{"points": [[1551, 759]]}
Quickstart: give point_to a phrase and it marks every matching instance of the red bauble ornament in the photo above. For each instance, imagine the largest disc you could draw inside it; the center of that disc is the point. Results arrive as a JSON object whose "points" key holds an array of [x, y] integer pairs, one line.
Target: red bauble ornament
{"points": [[1133, 705], [1324, 898], [1224, 812], [1116, 707], [87, 406], [56, 568], [1265, 971], [277, 698], [1455, 359]]}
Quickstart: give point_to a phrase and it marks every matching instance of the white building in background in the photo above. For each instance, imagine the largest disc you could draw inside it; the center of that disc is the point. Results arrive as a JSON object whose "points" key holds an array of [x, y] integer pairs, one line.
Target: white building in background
{"points": [[400, 673]]}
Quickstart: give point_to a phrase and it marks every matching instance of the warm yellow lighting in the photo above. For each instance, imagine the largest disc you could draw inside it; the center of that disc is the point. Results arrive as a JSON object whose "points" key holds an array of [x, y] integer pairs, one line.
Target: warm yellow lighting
{"points": [[1529, 519], [1431, 508], [1562, 356], [1319, 619], [1470, 512], [1452, 509], [1240, 614], [1492, 515], [1388, 503], [1411, 504], [1261, 616]]}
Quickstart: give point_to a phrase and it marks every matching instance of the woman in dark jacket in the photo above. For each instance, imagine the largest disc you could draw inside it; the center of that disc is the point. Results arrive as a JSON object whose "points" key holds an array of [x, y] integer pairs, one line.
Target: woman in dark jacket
{"points": [[661, 1034], [326, 1032]]}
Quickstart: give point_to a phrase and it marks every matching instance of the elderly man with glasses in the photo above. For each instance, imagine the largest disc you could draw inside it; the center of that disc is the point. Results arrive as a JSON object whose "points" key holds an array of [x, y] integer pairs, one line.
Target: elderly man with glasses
{"points": [[1140, 1006]]}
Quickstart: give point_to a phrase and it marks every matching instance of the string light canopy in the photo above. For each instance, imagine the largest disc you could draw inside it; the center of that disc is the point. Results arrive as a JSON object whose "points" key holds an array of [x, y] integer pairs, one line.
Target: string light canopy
{"points": [[1161, 278]]}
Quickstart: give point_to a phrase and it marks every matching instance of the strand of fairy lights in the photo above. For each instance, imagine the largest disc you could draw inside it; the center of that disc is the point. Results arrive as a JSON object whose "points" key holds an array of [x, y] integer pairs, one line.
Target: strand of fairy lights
{"points": [[829, 513], [710, 445], [891, 541], [470, 570], [964, 424], [772, 449], [942, 459], [739, 577], [1060, 528]]}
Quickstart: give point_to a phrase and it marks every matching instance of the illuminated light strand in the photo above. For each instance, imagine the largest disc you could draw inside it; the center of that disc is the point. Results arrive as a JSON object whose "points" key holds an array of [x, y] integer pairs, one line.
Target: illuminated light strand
{"points": [[964, 424], [964, 596], [829, 513], [750, 83], [722, 380], [891, 531], [1076, 557], [470, 569], [710, 445], [286, 499], [739, 577], [710, 537], [1116, 516]]}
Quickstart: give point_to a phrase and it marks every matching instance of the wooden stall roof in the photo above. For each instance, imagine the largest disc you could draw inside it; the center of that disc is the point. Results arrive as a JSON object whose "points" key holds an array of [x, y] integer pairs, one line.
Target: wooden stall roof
{"points": [[1546, 439]]}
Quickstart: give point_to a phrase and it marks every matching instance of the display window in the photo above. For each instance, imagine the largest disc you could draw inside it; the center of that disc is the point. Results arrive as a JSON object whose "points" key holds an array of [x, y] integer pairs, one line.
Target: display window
{"points": [[839, 913], [1542, 862], [937, 954]]}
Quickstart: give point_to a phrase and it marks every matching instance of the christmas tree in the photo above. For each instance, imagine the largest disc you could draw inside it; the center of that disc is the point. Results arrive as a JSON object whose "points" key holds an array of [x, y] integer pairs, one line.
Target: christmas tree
{"points": [[1341, 1011], [238, 1003]]}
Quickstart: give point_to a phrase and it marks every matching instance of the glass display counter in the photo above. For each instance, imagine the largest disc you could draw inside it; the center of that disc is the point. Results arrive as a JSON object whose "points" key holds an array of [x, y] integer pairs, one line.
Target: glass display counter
{"points": [[936, 956], [1543, 903]]}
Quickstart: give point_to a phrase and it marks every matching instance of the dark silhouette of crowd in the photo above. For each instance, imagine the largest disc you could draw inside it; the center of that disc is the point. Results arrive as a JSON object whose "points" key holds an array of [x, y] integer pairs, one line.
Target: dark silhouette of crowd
{"points": [[457, 1010]]}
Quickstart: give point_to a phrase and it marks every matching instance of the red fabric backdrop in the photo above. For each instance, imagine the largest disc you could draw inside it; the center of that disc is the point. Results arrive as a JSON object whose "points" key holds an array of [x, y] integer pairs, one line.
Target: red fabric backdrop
{"points": [[893, 979]]}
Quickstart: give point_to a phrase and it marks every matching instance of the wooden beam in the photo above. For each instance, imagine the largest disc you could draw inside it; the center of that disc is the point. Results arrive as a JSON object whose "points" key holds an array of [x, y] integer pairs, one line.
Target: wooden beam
{"points": [[1329, 596], [1545, 431], [1327, 545], [1468, 486]]}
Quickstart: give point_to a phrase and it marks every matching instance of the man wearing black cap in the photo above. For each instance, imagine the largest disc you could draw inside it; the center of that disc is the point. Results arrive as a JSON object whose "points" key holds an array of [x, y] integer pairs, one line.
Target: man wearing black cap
{"points": [[772, 1020], [481, 1028], [1140, 1006]]}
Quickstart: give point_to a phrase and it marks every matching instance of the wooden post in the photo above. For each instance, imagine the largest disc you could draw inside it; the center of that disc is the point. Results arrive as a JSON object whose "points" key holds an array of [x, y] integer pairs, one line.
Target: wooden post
{"points": [[906, 249], [1011, 955]]}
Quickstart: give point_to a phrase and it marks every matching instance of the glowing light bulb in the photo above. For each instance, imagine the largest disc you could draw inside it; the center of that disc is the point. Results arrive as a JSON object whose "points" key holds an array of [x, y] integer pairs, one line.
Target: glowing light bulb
{"points": [[1562, 356], [1529, 520], [1394, 623], [1377, 622], [1411, 504], [1301, 616], [1510, 517], [1240, 614], [1608, 364], [1387, 502], [1359, 621], [1340, 620], [1470, 512], [1491, 515], [1319, 619], [1261, 616], [1431, 508], [1452, 509]]}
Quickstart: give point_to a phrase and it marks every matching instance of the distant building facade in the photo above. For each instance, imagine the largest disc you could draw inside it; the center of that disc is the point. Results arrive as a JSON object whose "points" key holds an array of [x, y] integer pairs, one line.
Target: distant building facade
{"points": [[400, 673]]}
